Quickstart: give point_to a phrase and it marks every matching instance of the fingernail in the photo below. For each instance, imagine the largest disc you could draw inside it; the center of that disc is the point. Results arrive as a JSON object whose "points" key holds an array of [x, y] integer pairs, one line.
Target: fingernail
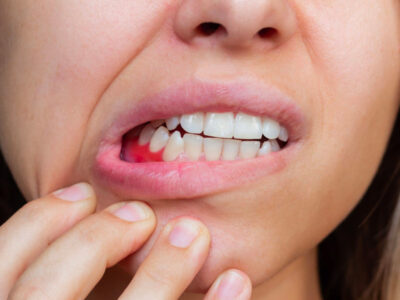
{"points": [[132, 211], [230, 285], [75, 192], [183, 233]]}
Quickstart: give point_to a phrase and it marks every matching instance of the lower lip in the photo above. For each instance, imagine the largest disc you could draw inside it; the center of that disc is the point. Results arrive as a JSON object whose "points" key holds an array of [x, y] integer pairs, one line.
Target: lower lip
{"points": [[184, 180]]}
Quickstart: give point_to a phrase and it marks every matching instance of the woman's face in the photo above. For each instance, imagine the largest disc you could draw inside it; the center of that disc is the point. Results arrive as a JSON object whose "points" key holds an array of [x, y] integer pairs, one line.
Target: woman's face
{"points": [[76, 75]]}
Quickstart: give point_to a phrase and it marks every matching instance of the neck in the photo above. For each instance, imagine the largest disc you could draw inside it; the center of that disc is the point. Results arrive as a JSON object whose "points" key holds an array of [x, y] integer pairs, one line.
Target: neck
{"points": [[297, 281]]}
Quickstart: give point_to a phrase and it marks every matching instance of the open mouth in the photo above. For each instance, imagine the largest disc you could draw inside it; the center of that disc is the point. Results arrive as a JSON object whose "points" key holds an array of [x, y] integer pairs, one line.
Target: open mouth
{"points": [[203, 136], [198, 138]]}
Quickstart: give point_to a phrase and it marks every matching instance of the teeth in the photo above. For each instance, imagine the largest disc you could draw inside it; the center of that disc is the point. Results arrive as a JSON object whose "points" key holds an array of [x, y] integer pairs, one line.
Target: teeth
{"points": [[247, 127], [157, 123], [193, 145], [174, 147], [265, 148], [172, 123], [146, 134], [274, 145], [249, 149], [193, 123], [283, 134], [159, 139], [271, 128], [219, 125], [212, 148], [231, 149], [222, 127]]}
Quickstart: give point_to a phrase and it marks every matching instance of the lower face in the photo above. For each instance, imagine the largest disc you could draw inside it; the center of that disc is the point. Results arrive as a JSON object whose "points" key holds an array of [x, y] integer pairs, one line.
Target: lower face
{"points": [[264, 209]]}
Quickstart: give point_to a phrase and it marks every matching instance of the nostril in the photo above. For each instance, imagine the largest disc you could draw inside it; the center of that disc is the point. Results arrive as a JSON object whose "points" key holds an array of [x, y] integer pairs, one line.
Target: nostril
{"points": [[267, 32], [209, 28]]}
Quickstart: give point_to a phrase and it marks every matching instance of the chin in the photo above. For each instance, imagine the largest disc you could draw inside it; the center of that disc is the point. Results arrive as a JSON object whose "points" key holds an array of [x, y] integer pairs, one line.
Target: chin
{"points": [[223, 254]]}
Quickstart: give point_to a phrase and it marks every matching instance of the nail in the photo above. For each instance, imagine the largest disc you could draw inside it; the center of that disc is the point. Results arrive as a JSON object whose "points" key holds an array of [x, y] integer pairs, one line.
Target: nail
{"points": [[183, 233], [230, 285], [75, 192], [132, 211]]}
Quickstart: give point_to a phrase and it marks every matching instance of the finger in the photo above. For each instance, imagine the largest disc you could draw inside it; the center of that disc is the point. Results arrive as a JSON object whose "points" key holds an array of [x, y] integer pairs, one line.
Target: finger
{"points": [[31, 229], [172, 263], [230, 285], [74, 263]]}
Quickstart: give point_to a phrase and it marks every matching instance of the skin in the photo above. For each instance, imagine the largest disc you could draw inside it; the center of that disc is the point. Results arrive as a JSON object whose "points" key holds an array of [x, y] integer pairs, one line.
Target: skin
{"points": [[58, 93]]}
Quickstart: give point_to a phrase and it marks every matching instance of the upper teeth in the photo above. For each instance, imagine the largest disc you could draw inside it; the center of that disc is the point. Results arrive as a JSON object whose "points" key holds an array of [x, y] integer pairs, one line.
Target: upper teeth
{"points": [[219, 125], [193, 123], [222, 126], [227, 125]]}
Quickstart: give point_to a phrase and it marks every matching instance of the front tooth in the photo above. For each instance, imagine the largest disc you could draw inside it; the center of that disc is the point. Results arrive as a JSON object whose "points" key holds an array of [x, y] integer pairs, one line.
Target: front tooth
{"points": [[247, 127], [274, 145], [157, 123], [146, 134], [159, 139], [231, 149], [219, 125], [265, 148], [193, 123], [249, 149], [212, 148], [172, 123], [193, 145], [271, 128], [174, 147], [283, 134]]}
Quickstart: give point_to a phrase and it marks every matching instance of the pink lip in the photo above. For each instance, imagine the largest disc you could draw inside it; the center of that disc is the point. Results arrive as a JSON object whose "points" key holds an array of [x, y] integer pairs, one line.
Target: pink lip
{"points": [[173, 180]]}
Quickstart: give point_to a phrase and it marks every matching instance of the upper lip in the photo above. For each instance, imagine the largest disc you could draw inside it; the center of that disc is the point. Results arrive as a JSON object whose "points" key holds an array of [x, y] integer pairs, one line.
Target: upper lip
{"points": [[248, 96]]}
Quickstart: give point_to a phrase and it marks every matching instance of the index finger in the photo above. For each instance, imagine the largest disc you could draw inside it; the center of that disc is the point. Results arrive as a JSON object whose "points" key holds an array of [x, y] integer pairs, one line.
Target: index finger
{"points": [[37, 224], [175, 259]]}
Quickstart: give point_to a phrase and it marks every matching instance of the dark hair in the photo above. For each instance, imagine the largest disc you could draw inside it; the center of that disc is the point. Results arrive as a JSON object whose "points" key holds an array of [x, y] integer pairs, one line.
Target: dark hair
{"points": [[11, 198], [354, 260], [351, 258]]}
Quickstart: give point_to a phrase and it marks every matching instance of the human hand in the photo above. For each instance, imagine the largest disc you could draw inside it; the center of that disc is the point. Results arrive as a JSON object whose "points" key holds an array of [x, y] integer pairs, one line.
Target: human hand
{"points": [[57, 249]]}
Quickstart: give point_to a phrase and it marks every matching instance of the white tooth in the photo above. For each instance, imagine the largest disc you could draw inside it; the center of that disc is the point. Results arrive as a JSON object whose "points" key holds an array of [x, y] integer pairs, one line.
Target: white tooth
{"points": [[146, 134], [174, 147], [249, 149], [157, 123], [274, 145], [193, 123], [265, 148], [159, 139], [172, 123], [283, 134], [212, 148], [231, 149], [193, 145], [247, 127], [219, 125], [271, 128]]}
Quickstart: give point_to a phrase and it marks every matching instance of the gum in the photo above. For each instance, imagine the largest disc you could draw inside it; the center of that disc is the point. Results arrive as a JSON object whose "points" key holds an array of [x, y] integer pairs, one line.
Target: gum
{"points": [[133, 152]]}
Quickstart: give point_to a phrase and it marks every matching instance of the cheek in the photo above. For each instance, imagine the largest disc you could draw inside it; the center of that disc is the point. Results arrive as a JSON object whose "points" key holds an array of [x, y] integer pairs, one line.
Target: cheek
{"points": [[355, 54], [62, 56], [356, 61]]}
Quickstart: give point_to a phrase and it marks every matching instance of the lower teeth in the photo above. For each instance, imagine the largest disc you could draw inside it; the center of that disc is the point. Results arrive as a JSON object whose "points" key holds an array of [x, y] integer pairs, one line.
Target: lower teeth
{"points": [[162, 145]]}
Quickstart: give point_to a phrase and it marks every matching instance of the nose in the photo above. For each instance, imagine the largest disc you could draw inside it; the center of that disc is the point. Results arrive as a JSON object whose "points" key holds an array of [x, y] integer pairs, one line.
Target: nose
{"points": [[235, 23]]}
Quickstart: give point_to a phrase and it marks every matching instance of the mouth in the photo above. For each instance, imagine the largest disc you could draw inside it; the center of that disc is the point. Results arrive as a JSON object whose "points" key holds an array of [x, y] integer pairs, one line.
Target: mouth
{"points": [[199, 138]]}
